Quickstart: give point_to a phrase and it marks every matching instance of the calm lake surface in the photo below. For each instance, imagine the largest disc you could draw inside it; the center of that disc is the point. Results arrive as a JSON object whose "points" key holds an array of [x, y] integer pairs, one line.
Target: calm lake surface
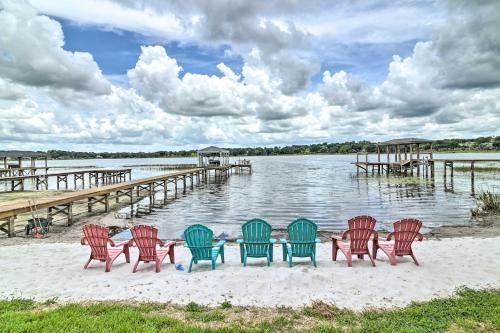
{"points": [[323, 188]]}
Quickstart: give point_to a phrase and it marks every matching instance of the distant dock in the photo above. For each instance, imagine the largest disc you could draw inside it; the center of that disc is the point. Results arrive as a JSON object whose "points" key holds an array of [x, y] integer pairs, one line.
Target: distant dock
{"points": [[404, 157], [95, 177]]}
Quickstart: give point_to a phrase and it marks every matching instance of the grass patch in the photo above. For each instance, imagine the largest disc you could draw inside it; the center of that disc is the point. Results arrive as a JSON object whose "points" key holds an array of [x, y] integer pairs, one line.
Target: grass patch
{"points": [[467, 311], [488, 202], [477, 169]]}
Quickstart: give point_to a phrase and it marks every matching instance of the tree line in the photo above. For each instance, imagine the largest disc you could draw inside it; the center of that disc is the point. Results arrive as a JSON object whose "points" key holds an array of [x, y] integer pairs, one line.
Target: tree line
{"points": [[478, 144]]}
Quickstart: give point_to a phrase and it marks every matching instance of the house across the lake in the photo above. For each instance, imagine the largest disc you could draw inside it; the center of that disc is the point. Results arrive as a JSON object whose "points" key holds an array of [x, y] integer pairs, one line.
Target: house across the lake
{"points": [[213, 156]]}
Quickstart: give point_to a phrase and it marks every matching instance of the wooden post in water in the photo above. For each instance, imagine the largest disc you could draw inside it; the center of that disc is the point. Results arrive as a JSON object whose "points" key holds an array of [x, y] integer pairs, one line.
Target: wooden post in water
{"points": [[411, 159], [378, 158], [472, 176], [432, 165], [357, 163], [165, 187], [418, 159], [388, 160], [366, 162], [400, 161]]}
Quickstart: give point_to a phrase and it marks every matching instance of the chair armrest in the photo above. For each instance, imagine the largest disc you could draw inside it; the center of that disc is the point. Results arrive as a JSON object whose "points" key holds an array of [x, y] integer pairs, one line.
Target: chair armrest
{"points": [[343, 237], [389, 236], [317, 240], [160, 242], [283, 241], [420, 237], [375, 235], [185, 244], [169, 243], [120, 243], [240, 241], [272, 241], [220, 243], [83, 241]]}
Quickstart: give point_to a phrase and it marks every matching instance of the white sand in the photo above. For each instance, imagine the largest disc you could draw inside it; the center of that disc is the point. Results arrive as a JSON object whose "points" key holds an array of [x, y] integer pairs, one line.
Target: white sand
{"points": [[42, 271]]}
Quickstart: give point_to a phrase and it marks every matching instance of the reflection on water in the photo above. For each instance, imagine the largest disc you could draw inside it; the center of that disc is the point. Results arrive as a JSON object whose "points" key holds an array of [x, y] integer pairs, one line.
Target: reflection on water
{"points": [[324, 188]]}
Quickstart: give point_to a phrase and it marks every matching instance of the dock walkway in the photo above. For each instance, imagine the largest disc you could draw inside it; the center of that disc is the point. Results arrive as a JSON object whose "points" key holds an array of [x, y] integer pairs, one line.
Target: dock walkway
{"points": [[95, 176], [63, 204]]}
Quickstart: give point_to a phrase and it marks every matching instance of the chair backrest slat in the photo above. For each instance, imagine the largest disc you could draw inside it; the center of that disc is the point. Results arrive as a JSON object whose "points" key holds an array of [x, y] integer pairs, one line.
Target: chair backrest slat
{"points": [[360, 230], [302, 236], [405, 232], [97, 237], [145, 238], [199, 240], [257, 236]]}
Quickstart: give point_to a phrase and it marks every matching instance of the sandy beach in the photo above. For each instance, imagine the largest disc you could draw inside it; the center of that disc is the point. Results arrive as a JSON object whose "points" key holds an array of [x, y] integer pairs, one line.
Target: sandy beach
{"points": [[55, 270]]}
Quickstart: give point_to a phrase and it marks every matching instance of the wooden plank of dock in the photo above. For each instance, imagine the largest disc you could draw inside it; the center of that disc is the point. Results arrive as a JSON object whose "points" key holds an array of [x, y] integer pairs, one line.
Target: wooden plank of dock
{"points": [[62, 176], [62, 204], [16, 207]]}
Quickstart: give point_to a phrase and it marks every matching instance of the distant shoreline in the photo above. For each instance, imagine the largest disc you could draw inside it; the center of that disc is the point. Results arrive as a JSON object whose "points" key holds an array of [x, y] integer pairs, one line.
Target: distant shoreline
{"points": [[298, 154]]}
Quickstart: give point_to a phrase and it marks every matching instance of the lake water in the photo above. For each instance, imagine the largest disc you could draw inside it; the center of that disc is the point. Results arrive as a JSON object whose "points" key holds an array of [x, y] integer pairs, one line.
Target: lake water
{"points": [[323, 188]]}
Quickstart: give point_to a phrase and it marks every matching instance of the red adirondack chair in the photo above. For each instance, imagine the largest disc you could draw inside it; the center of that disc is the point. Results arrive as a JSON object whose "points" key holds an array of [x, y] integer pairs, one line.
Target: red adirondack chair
{"points": [[145, 237], [98, 238], [405, 232], [360, 231]]}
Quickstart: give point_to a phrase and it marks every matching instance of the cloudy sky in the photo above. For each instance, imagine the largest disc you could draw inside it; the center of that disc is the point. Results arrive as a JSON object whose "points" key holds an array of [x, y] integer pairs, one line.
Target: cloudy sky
{"points": [[145, 75]]}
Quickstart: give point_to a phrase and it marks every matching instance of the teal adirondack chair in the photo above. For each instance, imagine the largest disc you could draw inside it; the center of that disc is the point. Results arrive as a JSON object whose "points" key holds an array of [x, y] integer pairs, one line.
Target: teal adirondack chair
{"points": [[301, 241], [257, 241], [199, 239]]}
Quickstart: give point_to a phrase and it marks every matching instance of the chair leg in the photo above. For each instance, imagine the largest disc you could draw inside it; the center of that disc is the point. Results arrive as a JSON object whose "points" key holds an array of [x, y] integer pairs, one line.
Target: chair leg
{"points": [[271, 250], [241, 252], [135, 266], [88, 262], [222, 253], [290, 260], [283, 247], [171, 254], [158, 266], [374, 250], [349, 260], [244, 260], [268, 259], [313, 258], [335, 249], [108, 265], [414, 259], [126, 251], [190, 265], [213, 263], [371, 259]]}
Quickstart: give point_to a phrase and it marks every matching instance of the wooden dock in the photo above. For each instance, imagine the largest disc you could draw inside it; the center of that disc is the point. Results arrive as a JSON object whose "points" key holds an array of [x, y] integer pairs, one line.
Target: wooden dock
{"points": [[95, 177], [63, 204], [24, 171]]}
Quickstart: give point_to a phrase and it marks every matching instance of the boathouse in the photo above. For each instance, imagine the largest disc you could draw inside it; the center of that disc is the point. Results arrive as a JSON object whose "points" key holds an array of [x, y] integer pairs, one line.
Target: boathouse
{"points": [[400, 156], [213, 156], [13, 162]]}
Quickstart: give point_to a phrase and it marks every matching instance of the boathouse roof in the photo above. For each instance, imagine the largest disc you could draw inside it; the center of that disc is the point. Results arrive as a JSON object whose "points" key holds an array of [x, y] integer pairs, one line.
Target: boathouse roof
{"points": [[405, 141], [20, 153], [213, 150]]}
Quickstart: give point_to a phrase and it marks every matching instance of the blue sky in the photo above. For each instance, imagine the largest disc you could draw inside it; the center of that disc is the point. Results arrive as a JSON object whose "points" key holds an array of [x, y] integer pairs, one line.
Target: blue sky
{"points": [[117, 51]]}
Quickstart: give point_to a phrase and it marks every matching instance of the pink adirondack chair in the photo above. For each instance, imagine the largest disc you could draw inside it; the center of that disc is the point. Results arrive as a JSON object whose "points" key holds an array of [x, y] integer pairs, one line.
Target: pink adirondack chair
{"points": [[145, 237], [405, 232], [360, 231], [97, 237]]}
